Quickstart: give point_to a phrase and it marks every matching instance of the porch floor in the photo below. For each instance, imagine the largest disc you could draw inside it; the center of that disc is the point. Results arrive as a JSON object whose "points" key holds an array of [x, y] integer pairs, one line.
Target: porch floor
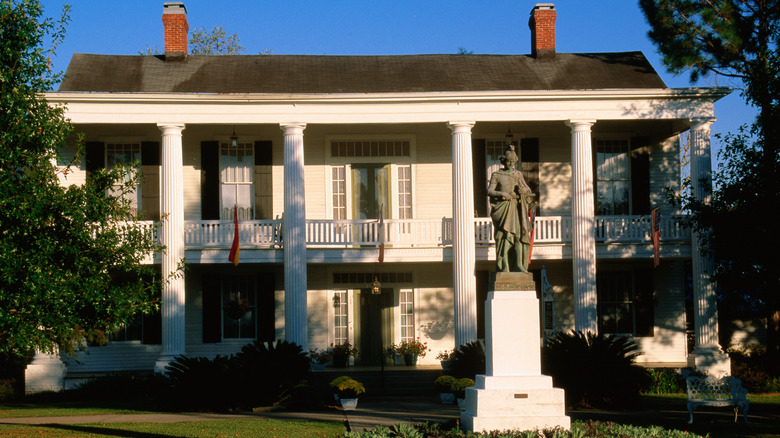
{"points": [[392, 381]]}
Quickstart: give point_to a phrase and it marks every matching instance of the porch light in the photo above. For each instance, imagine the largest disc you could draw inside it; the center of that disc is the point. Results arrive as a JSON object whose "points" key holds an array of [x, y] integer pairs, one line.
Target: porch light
{"points": [[234, 138], [509, 138], [376, 287]]}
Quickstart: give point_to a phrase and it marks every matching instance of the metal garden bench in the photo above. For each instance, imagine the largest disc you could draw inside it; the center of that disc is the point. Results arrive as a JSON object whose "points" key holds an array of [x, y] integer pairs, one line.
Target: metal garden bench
{"points": [[726, 391]]}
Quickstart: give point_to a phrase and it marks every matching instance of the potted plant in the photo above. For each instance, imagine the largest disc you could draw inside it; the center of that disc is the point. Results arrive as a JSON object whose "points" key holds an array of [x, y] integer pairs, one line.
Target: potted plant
{"points": [[391, 353], [348, 390], [411, 350], [319, 358], [446, 357], [341, 353], [444, 384], [459, 388]]}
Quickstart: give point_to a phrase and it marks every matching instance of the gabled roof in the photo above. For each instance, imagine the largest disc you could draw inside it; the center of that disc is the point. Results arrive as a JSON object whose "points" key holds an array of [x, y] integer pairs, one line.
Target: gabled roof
{"points": [[280, 74]]}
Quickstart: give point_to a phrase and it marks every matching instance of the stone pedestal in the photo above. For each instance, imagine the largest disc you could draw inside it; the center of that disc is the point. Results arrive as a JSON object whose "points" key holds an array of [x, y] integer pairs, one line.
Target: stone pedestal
{"points": [[45, 373], [513, 394]]}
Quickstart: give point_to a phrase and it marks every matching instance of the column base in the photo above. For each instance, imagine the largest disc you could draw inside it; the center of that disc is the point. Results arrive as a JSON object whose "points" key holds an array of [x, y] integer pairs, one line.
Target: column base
{"points": [[495, 404], [711, 361], [45, 373], [162, 362]]}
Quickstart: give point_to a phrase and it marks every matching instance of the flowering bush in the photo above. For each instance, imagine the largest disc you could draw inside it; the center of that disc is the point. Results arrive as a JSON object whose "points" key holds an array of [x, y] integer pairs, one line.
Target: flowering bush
{"points": [[413, 347], [345, 349], [347, 387], [320, 356], [446, 355], [444, 383], [460, 385]]}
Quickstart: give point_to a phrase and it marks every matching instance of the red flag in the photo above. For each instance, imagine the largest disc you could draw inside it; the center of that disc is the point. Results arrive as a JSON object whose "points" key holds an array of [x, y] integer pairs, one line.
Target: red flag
{"points": [[655, 234], [381, 233], [532, 215], [233, 257]]}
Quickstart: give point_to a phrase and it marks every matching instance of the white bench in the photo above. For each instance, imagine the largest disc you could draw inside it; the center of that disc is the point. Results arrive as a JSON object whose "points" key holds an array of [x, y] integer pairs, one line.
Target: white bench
{"points": [[726, 391]]}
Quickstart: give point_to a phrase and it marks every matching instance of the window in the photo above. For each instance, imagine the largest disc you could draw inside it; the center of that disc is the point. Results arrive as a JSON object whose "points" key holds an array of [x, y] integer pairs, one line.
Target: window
{"points": [[239, 309], [133, 331], [237, 181], [613, 169], [616, 302], [125, 155], [406, 313], [404, 192], [370, 148], [340, 317], [339, 179]]}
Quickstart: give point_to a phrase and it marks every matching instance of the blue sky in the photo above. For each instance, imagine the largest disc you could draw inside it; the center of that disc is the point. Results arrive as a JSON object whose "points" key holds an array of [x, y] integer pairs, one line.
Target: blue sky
{"points": [[372, 27]]}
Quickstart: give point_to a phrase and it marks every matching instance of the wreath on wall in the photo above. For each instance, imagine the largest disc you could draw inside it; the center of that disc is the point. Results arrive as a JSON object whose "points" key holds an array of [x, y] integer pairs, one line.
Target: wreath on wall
{"points": [[236, 308]]}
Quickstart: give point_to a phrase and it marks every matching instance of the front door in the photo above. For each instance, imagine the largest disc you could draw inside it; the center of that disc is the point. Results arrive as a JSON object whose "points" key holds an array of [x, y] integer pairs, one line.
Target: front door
{"points": [[375, 326]]}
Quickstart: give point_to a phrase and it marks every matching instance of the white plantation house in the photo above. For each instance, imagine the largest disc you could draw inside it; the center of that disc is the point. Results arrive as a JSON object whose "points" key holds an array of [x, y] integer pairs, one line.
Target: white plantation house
{"points": [[325, 158]]}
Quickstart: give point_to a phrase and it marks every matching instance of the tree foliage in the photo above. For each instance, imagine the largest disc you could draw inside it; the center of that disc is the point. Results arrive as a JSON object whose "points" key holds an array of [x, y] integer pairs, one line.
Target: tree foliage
{"points": [[70, 261], [214, 42], [736, 39]]}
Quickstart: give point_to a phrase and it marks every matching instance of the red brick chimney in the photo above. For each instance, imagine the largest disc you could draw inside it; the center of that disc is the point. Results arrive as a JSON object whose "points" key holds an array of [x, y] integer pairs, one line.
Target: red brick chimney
{"points": [[542, 24], [176, 29]]}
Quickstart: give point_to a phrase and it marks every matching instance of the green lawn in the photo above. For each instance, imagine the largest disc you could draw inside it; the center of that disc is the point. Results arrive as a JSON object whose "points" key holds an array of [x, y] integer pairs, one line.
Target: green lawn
{"points": [[261, 428]]}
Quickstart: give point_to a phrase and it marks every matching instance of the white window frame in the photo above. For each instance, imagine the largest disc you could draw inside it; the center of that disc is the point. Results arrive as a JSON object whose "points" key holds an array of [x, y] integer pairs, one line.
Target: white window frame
{"points": [[250, 172], [597, 175], [349, 294], [135, 197], [630, 301], [247, 279]]}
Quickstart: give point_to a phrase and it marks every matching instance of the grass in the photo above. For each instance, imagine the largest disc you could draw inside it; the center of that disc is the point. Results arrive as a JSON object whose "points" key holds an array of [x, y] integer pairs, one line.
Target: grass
{"points": [[667, 411], [260, 428]]}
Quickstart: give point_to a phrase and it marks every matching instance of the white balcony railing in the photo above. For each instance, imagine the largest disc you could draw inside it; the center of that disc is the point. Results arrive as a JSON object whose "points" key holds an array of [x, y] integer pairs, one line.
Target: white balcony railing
{"points": [[422, 233]]}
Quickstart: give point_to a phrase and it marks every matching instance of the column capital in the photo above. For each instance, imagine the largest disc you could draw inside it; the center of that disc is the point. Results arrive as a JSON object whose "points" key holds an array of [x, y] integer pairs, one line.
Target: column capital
{"points": [[293, 127], [171, 128], [460, 127], [701, 123], [580, 124]]}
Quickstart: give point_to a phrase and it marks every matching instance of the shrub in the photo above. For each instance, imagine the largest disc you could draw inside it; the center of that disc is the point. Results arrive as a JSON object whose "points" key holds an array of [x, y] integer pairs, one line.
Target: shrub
{"points": [[665, 381], [200, 383], [347, 387], [595, 370], [469, 360], [7, 389], [267, 371], [459, 386], [444, 383]]}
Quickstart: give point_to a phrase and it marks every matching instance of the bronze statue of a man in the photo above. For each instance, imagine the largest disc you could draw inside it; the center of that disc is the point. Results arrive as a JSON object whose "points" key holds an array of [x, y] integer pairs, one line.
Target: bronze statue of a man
{"points": [[511, 200]]}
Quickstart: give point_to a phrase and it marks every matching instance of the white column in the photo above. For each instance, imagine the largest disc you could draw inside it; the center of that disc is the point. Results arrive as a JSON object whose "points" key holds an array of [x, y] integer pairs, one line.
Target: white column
{"points": [[172, 237], [708, 355], [294, 228], [464, 282], [583, 227]]}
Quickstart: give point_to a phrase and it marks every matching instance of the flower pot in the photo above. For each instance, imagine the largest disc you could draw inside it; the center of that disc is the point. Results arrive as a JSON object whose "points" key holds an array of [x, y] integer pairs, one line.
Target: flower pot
{"points": [[462, 404], [349, 404], [397, 360], [447, 398], [339, 360], [410, 359], [446, 365]]}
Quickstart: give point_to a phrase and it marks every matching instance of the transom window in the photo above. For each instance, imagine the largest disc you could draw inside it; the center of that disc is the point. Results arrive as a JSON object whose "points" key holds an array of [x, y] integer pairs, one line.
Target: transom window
{"points": [[613, 173], [237, 181], [370, 148]]}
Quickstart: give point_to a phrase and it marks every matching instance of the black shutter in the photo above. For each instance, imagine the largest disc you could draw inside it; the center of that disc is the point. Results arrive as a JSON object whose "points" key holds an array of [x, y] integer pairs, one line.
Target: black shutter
{"points": [[209, 180], [266, 315], [152, 328], [640, 176], [150, 153], [95, 156], [263, 180], [480, 176], [212, 308], [644, 308]]}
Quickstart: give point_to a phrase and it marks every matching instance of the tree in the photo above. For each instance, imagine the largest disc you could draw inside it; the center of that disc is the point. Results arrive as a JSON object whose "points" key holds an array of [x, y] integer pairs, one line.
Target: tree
{"points": [[736, 39], [216, 42], [70, 260]]}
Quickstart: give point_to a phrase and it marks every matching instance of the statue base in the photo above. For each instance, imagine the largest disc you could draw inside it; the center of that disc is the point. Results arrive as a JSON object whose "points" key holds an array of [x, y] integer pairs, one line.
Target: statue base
{"points": [[513, 393]]}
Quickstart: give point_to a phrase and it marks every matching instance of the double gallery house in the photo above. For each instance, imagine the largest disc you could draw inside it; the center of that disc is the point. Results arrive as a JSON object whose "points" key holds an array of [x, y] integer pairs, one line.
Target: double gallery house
{"points": [[358, 187]]}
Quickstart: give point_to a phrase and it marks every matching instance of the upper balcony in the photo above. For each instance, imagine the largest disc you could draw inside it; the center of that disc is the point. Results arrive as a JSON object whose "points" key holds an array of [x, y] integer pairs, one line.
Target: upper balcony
{"points": [[417, 240]]}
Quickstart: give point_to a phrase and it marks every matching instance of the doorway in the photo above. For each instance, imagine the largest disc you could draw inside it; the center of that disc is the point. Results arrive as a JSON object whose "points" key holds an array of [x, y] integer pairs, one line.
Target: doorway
{"points": [[369, 190], [375, 326]]}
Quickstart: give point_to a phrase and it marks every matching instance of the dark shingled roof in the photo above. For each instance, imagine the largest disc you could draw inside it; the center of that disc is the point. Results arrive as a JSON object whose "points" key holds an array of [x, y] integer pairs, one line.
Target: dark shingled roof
{"points": [[357, 74]]}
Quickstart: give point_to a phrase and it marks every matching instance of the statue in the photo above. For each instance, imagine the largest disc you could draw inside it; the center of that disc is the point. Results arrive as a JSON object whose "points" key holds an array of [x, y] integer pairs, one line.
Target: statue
{"points": [[511, 200]]}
